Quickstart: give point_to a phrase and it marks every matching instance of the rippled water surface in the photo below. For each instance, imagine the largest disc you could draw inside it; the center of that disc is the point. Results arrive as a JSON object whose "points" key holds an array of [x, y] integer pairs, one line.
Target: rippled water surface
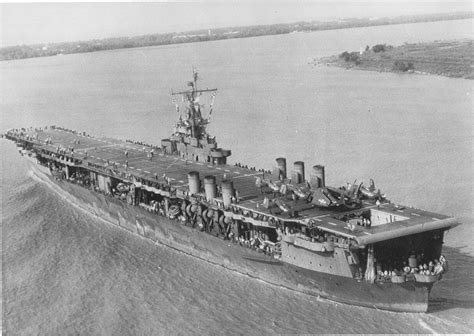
{"points": [[67, 273]]}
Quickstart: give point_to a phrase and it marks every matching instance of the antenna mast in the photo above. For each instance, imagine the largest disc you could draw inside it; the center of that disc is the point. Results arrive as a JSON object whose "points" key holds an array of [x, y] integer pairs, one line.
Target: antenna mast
{"points": [[196, 122]]}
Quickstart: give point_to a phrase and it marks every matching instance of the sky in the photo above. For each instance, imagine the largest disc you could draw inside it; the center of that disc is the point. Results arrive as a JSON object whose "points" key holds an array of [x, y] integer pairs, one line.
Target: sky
{"points": [[31, 23]]}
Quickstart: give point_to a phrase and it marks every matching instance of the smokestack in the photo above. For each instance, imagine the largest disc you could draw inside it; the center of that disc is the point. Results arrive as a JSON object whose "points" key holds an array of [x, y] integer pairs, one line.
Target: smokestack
{"points": [[317, 177], [227, 192], [210, 187], [298, 172], [281, 164], [194, 182]]}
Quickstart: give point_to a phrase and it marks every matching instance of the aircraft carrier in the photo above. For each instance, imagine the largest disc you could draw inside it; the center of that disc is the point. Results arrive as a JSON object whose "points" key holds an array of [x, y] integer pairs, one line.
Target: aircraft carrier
{"points": [[285, 225]]}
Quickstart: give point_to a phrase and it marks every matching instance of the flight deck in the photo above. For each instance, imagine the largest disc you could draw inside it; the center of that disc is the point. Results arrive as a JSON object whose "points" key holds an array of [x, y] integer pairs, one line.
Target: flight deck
{"points": [[134, 161]]}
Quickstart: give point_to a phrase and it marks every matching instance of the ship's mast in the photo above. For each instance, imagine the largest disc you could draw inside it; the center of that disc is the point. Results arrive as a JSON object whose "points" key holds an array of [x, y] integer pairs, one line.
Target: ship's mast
{"points": [[193, 107]]}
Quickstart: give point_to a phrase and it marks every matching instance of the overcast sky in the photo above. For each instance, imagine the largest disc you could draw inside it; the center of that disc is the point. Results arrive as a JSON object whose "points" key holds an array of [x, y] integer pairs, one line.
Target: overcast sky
{"points": [[29, 23]]}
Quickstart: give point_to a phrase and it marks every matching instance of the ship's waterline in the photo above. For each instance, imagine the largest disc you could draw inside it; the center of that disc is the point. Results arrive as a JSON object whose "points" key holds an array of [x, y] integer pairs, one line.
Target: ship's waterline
{"points": [[347, 244], [160, 297]]}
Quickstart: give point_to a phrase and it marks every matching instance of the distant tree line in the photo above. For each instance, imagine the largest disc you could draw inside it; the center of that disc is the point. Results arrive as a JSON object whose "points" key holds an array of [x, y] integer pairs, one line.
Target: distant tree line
{"points": [[51, 49], [379, 48], [353, 56], [356, 57], [402, 66]]}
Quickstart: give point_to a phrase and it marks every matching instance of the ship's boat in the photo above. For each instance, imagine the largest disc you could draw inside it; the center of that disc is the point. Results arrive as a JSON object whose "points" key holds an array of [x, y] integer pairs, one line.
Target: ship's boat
{"points": [[349, 243]]}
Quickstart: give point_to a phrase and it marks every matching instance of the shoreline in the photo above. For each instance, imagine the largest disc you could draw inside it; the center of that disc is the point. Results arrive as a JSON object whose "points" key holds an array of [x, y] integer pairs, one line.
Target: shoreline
{"points": [[205, 35], [452, 59]]}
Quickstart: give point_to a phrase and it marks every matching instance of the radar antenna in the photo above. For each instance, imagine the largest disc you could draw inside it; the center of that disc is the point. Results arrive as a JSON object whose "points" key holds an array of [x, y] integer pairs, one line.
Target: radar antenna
{"points": [[194, 121]]}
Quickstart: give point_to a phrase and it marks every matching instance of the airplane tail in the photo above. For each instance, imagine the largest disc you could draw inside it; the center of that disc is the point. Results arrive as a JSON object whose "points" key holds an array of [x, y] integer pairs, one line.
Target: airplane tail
{"points": [[372, 185], [354, 190]]}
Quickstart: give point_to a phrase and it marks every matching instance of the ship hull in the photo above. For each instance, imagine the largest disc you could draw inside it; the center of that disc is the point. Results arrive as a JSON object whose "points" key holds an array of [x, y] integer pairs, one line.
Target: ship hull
{"points": [[405, 297]]}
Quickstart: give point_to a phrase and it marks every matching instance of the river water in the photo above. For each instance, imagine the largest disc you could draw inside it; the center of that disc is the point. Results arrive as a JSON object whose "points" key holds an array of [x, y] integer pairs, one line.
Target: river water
{"points": [[67, 273]]}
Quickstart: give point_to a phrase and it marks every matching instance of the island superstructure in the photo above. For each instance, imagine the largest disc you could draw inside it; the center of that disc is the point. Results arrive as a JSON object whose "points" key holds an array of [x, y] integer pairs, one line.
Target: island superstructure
{"points": [[349, 243]]}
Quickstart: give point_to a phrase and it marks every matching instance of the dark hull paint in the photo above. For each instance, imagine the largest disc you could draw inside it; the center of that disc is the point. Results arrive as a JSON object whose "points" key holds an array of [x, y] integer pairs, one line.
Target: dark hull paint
{"points": [[406, 297]]}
